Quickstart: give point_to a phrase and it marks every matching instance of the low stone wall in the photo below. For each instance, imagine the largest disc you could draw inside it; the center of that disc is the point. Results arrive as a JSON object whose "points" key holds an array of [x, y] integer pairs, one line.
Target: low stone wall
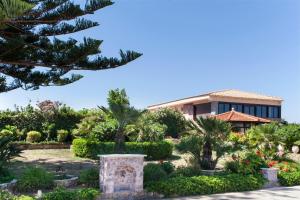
{"points": [[42, 146], [8, 186]]}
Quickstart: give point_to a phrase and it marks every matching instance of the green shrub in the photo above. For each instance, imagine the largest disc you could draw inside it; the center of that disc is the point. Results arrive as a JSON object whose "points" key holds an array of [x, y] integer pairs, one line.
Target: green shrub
{"points": [[62, 135], [203, 185], [250, 163], [88, 148], [64, 194], [186, 172], [24, 198], [168, 167], [173, 119], [6, 133], [232, 166], [289, 179], [35, 178], [154, 172], [89, 177], [87, 194], [33, 136], [4, 195], [5, 175]]}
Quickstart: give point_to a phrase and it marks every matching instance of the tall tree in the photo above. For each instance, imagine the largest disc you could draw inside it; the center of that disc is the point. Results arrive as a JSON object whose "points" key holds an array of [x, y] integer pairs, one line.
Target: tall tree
{"points": [[32, 56], [119, 108]]}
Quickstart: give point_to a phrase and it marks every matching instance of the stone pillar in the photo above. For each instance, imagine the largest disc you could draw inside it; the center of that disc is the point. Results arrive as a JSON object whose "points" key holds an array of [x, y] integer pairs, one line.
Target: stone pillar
{"points": [[271, 175], [121, 174]]}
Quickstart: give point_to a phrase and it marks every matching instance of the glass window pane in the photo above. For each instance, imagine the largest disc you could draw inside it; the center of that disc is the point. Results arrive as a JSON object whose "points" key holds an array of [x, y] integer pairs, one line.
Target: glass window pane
{"points": [[271, 113], [221, 108], [275, 112], [226, 107], [239, 108], [258, 111], [246, 109], [264, 111], [252, 110]]}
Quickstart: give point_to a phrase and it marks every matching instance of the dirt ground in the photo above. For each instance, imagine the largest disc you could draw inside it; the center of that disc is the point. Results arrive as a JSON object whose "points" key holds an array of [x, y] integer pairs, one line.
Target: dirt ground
{"points": [[55, 160], [62, 160]]}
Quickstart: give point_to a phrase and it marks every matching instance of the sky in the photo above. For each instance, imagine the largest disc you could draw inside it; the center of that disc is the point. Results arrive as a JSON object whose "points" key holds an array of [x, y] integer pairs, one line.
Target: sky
{"points": [[189, 47]]}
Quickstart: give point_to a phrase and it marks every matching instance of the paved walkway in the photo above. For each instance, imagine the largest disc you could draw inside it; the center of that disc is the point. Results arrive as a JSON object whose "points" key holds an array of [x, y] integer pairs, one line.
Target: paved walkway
{"points": [[279, 193]]}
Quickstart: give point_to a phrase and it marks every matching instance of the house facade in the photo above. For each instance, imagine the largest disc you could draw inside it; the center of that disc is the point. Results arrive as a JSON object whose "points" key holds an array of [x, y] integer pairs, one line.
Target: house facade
{"points": [[244, 104]]}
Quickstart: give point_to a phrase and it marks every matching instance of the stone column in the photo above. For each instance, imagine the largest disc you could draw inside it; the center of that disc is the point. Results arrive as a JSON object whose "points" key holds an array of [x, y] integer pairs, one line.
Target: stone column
{"points": [[121, 174]]}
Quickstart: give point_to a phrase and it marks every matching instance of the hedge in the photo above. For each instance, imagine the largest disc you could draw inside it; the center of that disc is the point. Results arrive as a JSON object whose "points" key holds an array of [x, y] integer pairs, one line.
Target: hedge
{"points": [[289, 178], [90, 149], [204, 185]]}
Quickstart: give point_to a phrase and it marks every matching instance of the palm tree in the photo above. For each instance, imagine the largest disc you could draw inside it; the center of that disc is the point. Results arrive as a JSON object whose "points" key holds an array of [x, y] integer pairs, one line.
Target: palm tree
{"points": [[214, 134], [119, 108]]}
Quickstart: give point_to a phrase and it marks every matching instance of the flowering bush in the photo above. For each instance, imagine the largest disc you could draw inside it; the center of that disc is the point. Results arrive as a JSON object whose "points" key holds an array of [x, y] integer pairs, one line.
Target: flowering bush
{"points": [[250, 163]]}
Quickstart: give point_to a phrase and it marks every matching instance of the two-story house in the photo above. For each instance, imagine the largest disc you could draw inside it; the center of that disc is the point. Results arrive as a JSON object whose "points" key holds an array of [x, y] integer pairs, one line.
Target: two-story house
{"points": [[240, 108]]}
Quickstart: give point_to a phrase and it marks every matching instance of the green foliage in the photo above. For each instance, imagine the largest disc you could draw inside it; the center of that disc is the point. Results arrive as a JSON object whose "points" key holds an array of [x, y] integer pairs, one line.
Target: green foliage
{"points": [[289, 134], [250, 163], [203, 185], [145, 130], [40, 60], [12, 8], [5, 195], [62, 135], [89, 177], [171, 118], [33, 136], [35, 178], [289, 178], [264, 138], [105, 131], [46, 121], [120, 110], [91, 148], [7, 151], [186, 172], [206, 135], [5, 175], [6, 133], [154, 172], [168, 167], [64, 194]]}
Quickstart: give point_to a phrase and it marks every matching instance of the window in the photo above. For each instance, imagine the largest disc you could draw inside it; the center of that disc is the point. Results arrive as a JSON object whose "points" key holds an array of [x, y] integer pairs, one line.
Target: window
{"points": [[258, 111], [264, 111], [273, 112], [247, 109], [237, 107], [224, 107]]}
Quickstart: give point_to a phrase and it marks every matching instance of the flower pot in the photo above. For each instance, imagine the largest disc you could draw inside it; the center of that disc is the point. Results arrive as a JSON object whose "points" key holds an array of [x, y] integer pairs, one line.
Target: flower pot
{"points": [[68, 181], [295, 149]]}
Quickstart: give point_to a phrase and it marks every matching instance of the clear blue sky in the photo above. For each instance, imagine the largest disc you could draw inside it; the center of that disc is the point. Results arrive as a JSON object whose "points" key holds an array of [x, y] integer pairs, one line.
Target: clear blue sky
{"points": [[190, 47]]}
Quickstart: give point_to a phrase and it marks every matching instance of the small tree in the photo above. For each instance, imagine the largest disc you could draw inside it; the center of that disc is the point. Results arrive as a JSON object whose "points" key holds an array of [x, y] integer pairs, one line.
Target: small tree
{"points": [[212, 135], [119, 108], [7, 151]]}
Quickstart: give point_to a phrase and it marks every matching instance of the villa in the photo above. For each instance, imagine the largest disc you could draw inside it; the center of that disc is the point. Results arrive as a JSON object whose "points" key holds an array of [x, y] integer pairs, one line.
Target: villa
{"points": [[241, 109]]}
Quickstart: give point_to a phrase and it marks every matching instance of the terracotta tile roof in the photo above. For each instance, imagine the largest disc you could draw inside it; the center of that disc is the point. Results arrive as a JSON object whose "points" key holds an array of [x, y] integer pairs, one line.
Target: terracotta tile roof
{"points": [[234, 116]]}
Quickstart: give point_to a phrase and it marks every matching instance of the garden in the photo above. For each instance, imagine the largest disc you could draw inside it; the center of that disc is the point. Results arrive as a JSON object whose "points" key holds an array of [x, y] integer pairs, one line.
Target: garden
{"points": [[183, 158]]}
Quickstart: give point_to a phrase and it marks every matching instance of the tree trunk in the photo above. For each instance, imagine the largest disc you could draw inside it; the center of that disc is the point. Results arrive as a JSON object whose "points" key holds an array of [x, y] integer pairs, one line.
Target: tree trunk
{"points": [[120, 142], [207, 162]]}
